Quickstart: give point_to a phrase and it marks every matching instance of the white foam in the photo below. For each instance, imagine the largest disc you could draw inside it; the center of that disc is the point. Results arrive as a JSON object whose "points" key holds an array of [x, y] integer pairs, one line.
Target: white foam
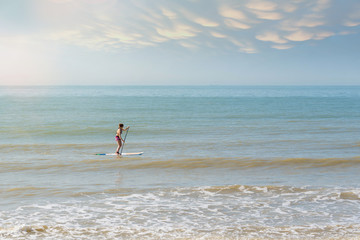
{"points": [[190, 213]]}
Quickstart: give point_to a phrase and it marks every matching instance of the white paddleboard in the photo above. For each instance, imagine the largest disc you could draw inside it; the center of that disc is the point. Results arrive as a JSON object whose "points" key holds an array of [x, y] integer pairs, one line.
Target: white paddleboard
{"points": [[123, 154]]}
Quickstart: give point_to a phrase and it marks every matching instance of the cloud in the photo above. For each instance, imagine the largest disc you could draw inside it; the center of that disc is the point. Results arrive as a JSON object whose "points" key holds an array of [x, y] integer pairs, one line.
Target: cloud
{"points": [[261, 5], [248, 49], [120, 35], [205, 22], [155, 38], [242, 46], [265, 9], [236, 24], [300, 36], [346, 32], [197, 18], [188, 45], [355, 14], [323, 35], [282, 47], [168, 13], [180, 31], [288, 7], [271, 37], [229, 12], [310, 22], [218, 35], [350, 23], [321, 5], [268, 15], [353, 18]]}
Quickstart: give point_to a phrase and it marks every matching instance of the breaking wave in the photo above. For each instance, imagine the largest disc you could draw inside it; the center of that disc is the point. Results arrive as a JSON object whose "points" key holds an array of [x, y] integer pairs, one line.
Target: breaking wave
{"points": [[209, 212]]}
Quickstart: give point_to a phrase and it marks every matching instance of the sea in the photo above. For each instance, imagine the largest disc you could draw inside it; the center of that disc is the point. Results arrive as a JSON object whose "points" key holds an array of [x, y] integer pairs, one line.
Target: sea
{"points": [[218, 162]]}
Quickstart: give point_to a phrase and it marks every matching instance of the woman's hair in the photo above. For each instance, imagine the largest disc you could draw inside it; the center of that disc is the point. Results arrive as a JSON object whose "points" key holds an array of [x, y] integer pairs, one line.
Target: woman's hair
{"points": [[121, 125]]}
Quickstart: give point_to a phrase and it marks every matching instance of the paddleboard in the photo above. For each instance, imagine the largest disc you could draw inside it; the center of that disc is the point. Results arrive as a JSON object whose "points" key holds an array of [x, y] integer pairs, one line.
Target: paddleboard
{"points": [[123, 154]]}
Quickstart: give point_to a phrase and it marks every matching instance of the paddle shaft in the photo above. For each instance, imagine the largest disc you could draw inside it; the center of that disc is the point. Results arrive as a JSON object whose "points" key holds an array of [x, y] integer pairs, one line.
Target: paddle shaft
{"points": [[122, 146]]}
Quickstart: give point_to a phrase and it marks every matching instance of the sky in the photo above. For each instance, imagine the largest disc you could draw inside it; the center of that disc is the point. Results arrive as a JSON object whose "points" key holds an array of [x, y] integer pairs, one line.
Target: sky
{"points": [[179, 42]]}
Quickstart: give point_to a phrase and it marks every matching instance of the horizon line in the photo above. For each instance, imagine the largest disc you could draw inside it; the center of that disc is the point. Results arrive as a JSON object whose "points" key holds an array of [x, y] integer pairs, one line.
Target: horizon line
{"points": [[181, 85]]}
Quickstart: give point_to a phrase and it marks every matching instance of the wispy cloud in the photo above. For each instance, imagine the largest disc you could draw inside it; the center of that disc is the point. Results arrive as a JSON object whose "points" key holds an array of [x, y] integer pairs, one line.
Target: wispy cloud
{"points": [[320, 5], [351, 23], [323, 34], [309, 21], [271, 37], [300, 36], [231, 23], [268, 15], [218, 35], [168, 13], [288, 7], [178, 31], [282, 47], [205, 22], [228, 11], [262, 5], [353, 19]]}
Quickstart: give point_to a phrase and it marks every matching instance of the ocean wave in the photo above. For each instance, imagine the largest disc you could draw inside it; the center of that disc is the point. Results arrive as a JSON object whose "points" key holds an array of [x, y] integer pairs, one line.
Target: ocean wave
{"points": [[30, 191], [245, 163], [54, 160], [313, 194], [48, 166], [249, 232], [207, 212]]}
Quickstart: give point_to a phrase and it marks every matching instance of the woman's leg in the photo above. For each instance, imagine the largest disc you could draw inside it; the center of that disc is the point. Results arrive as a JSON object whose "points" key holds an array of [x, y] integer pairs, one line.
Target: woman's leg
{"points": [[119, 146]]}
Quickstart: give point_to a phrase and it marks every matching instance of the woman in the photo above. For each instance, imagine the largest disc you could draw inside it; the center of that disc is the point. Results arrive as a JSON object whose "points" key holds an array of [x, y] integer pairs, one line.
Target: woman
{"points": [[118, 137]]}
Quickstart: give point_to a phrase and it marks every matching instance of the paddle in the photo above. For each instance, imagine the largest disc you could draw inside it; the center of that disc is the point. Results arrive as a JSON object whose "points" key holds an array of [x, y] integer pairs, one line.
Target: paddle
{"points": [[122, 146]]}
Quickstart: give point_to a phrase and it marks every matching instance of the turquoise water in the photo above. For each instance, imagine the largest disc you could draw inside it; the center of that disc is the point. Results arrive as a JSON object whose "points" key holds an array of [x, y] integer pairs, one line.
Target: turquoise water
{"points": [[227, 162]]}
